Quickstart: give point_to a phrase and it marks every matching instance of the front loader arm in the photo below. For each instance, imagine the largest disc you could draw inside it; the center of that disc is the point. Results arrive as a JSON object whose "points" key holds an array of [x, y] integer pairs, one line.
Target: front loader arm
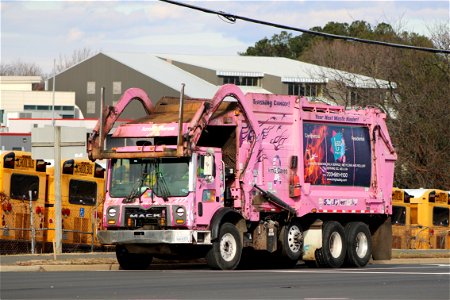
{"points": [[110, 116], [203, 115]]}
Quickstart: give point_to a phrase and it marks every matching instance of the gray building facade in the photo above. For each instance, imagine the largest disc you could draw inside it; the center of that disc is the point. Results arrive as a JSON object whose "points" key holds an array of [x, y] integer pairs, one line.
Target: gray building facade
{"points": [[162, 75]]}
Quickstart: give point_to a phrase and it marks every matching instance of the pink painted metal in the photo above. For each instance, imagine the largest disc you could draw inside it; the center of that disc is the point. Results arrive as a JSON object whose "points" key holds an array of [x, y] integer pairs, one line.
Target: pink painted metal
{"points": [[273, 154], [111, 115]]}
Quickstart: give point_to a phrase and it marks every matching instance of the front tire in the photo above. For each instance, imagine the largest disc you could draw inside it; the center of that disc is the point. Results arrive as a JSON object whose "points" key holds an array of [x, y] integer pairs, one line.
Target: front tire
{"points": [[132, 261], [226, 251], [333, 251], [359, 244]]}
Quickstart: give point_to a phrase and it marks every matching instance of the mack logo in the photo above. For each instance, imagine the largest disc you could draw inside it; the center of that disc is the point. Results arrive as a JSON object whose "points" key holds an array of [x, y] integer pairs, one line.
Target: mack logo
{"points": [[143, 216]]}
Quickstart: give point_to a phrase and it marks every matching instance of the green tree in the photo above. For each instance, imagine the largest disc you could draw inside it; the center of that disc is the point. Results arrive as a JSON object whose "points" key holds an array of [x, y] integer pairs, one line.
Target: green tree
{"points": [[417, 102]]}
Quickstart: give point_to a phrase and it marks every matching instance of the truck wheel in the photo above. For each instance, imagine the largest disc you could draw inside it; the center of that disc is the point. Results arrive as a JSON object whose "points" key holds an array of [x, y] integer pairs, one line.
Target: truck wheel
{"points": [[132, 261], [291, 239], [226, 251], [359, 244], [333, 251]]}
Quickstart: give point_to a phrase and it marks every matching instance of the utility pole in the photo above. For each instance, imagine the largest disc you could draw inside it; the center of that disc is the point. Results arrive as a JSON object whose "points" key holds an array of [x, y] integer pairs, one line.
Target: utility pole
{"points": [[57, 192]]}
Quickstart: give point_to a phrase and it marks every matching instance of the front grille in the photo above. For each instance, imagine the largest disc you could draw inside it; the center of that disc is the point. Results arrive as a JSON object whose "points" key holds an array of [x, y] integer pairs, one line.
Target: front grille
{"points": [[136, 217]]}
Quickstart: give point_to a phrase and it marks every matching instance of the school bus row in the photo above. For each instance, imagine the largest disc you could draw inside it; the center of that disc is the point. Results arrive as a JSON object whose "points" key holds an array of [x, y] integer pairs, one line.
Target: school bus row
{"points": [[420, 219], [28, 203]]}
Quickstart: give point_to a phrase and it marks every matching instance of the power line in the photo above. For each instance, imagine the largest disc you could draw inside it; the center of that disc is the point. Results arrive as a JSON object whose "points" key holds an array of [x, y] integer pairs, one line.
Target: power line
{"points": [[232, 18]]}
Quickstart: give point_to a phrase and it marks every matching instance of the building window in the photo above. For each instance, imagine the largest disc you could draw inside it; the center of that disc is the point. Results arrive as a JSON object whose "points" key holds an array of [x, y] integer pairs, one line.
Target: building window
{"points": [[353, 97], [91, 87], [117, 87], [304, 89], [90, 109], [241, 80]]}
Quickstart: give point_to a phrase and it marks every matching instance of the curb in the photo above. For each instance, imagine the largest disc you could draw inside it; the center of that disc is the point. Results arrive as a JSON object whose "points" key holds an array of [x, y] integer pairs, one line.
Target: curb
{"points": [[115, 267]]}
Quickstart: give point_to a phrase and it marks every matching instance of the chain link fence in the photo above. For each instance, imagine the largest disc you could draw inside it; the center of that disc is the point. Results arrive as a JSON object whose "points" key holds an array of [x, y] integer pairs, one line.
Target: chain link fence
{"points": [[30, 228], [420, 237]]}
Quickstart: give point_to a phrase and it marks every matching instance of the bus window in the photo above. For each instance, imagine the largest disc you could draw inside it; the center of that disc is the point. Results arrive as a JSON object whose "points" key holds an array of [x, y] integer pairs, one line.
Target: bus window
{"points": [[440, 216], [398, 215], [21, 185], [82, 192]]}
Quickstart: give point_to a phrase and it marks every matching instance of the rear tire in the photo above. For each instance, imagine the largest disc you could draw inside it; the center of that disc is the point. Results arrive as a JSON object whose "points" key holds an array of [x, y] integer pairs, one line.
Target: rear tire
{"points": [[333, 251], [132, 261], [226, 251], [359, 244]]}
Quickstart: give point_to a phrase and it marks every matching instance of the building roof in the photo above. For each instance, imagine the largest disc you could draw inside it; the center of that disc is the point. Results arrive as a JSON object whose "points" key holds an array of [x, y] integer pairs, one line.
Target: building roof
{"points": [[289, 70], [170, 75], [20, 79], [165, 73]]}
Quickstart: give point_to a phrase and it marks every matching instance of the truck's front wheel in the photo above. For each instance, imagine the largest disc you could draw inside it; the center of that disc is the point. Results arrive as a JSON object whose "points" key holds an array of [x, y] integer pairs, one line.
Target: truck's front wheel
{"points": [[132, 261], [226, 251]]}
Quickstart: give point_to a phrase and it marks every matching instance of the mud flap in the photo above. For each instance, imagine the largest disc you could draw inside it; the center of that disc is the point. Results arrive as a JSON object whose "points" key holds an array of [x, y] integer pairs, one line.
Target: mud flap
{"points": [[382, 241]]}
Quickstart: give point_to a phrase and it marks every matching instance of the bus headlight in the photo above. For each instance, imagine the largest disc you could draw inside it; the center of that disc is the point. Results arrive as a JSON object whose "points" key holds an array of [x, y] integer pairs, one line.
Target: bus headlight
{"points": [[180, 211], [112, 212]]}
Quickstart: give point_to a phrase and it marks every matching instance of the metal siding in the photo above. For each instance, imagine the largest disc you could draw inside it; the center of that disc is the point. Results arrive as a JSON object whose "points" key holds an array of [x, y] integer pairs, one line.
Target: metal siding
{"points": [[104, 71]]}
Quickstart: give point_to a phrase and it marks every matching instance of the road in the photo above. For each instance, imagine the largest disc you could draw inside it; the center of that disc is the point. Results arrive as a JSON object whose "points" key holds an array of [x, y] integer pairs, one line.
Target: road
{"points": [[198, 282]]}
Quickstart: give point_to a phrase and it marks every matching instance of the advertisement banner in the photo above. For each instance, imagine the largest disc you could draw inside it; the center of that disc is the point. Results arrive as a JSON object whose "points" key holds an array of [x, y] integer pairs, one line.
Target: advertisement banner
{"points": [[336, 155]]}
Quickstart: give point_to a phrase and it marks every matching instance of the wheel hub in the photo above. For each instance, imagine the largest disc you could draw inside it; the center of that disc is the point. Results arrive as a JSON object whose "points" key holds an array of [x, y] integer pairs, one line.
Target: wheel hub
{"points": [[228, 247]]}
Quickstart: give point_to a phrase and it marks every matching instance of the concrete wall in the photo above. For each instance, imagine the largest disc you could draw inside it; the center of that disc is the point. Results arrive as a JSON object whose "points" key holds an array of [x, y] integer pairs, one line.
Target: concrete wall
{"points": [[15, 141]]}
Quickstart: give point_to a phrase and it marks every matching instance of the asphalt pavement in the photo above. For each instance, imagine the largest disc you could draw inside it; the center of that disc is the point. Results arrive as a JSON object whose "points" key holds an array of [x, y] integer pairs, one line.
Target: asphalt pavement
{"points": [[96, 261]]}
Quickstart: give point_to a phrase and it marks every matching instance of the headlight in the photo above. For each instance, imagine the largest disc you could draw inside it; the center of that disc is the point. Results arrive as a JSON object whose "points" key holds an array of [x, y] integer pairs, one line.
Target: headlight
{"points": [[180, 211], [112, 212]]}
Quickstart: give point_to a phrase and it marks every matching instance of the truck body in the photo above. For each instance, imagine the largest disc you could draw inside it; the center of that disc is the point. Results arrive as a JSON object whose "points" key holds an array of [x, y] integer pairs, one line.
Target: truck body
{"points": [[239, 177]]}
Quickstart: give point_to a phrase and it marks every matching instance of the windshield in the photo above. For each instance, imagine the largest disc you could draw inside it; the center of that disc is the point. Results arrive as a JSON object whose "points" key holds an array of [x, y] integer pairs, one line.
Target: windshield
{"points": [[165, 177]]}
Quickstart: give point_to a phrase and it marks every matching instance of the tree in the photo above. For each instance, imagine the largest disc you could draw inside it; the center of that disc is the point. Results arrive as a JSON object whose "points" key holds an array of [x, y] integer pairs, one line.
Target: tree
{"points": [[65, 62], [417, 97], [419, 126], [19, 68], [282, 45]]}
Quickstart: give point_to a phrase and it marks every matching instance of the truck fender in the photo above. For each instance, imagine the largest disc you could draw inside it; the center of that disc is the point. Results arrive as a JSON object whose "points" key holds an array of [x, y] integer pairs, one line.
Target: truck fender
{"points": [[223, 215], [312, 240]]}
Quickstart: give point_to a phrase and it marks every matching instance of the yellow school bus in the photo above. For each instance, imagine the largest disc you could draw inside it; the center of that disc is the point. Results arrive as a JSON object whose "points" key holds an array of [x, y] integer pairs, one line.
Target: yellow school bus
{"points": [[400, 219], [82, 194], [420, 219], [22, 194]]}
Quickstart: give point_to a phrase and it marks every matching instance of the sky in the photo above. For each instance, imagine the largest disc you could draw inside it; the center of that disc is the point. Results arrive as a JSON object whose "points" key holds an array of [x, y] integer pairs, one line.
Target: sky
{"points": [[41, 32]]}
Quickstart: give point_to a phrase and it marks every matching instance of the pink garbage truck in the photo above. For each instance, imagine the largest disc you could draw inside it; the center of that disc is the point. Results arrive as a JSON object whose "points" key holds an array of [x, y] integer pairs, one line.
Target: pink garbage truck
{"points": [[238, 178]]}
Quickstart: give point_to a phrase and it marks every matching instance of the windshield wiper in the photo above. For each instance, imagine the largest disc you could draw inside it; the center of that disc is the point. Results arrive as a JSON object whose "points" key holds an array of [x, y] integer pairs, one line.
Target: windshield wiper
{"points": [[136, 190], [162, 187]]}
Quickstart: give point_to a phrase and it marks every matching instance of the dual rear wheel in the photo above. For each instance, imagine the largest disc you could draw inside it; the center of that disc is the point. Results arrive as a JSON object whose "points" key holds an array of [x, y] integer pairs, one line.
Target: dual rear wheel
{"points": [[350, 246]]}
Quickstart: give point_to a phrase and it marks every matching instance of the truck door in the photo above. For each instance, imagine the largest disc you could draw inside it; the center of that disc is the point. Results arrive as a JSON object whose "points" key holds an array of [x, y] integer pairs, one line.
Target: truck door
{"points": [[209, 186]]}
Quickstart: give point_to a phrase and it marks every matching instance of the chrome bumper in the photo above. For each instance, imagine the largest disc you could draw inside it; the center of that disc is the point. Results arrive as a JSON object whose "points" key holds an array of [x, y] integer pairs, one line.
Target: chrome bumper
{"points": [[154, 237]]}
